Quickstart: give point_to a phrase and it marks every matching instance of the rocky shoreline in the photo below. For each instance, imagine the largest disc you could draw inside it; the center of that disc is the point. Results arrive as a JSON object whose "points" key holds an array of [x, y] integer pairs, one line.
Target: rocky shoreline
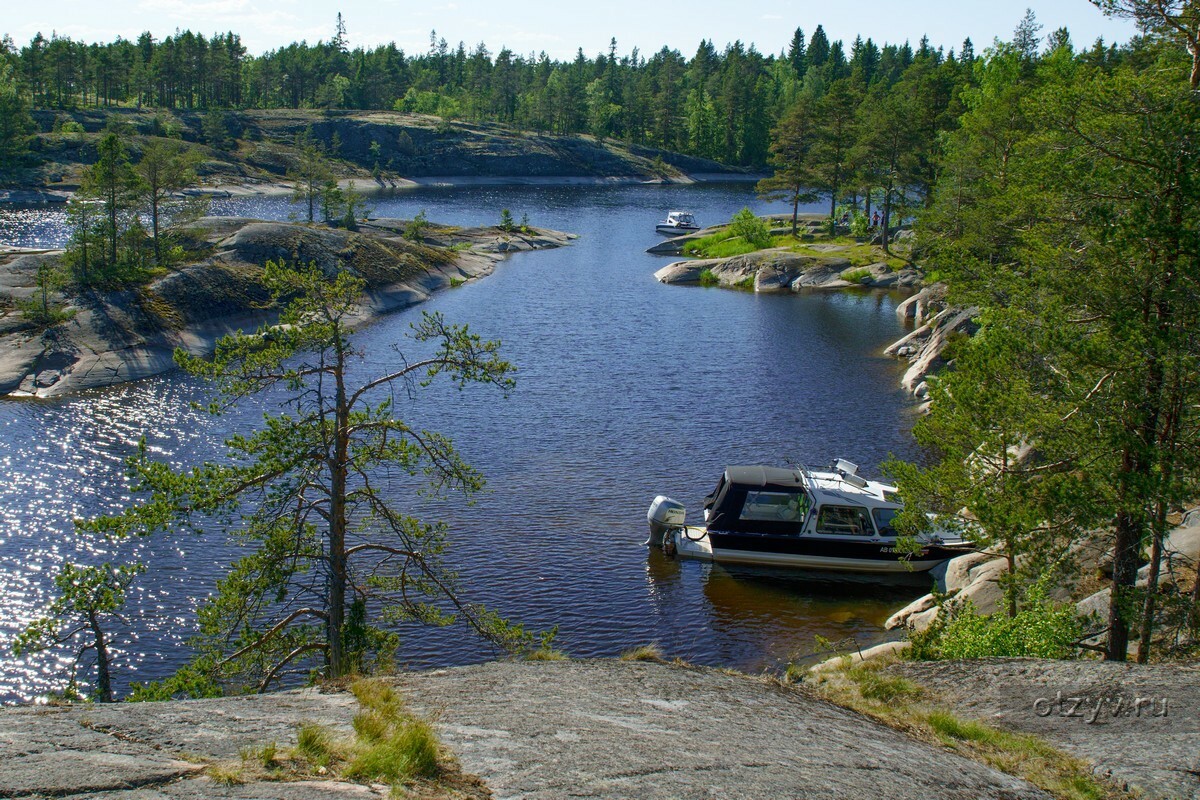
{"points": [[607, 729], [115, 337]]}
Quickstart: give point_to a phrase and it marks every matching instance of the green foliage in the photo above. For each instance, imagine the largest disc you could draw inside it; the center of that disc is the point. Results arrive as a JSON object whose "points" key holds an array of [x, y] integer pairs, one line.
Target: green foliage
{"points": [[214, 128], [506, 221], [39, 308], [16, 124], [861, 275], [323, 544], [860, 225], [708, 278], [750, 229], [89, 597], [1041, 629], [414, 231]]}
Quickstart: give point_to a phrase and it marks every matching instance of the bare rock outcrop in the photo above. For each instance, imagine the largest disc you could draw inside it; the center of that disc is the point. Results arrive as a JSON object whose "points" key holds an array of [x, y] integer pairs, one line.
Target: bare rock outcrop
{"points": [[113, 337], [1137, 724], [604, 729]]}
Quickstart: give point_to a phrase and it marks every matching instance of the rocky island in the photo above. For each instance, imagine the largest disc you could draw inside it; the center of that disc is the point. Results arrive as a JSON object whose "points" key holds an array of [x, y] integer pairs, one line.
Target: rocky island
{"points": [[116, 336]]}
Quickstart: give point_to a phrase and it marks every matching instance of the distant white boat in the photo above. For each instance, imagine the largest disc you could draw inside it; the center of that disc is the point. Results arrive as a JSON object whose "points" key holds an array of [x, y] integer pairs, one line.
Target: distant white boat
{"points": [[677, 223]]}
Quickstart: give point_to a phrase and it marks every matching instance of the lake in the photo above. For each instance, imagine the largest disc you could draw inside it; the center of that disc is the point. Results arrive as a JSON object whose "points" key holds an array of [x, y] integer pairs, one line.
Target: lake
{"points": [[627, 388]]}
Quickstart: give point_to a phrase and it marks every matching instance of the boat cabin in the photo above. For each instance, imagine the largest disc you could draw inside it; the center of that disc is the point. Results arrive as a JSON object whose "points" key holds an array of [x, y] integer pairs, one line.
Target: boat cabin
{"points": [[787, 502]]}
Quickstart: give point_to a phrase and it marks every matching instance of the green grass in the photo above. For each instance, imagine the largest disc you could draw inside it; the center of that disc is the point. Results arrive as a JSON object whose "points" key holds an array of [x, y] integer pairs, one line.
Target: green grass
{"points": [[708, 278], [899, 703], [263, 754], [646, 652], [546, 654], [860, 275], [318, 745], [225, 774], [391, 745]]}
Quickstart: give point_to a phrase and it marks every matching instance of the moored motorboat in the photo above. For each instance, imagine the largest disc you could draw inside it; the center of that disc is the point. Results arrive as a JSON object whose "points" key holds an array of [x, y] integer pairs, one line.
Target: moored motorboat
{"points": [[808, 519], [677, 223]]}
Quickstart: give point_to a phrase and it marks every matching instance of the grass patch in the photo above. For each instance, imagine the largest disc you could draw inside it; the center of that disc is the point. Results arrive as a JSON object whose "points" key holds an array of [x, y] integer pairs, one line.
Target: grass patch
{"points": [[546, 654], [646, 652], [457, 282], [391, 745], [708, 278], [263, 754], [319, 745], [226, 774], [388, 745], [901, 704], [860, 275]]}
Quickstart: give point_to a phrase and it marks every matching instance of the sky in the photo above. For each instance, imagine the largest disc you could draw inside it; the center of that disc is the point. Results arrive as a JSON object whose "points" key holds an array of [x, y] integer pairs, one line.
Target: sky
{"points": [[558, 27]]}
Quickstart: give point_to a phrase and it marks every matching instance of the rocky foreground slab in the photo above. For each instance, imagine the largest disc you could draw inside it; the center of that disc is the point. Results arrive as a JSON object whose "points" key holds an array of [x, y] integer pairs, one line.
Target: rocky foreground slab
{"points": [[1137, 724], [529, 730]]}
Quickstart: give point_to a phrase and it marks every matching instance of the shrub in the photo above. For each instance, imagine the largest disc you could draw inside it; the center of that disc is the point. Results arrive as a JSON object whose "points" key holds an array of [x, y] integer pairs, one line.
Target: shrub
{"points": [[415, 229], [506, 221], [750, 228], [860, 225], [1042, 629]]}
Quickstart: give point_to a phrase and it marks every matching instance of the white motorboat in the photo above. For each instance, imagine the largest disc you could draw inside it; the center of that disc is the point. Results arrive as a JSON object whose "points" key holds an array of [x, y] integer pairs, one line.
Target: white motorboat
{"points": [[808, 519], [677, 223]]}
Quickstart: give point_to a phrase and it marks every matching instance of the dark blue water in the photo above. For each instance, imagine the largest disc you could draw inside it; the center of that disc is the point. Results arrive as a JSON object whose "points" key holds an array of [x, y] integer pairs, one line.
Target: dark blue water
{"points": [[627, 388]]}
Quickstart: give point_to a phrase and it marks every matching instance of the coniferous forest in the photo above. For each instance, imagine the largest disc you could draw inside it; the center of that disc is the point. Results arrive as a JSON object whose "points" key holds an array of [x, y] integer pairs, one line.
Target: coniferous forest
{"points": [[719, 104]]}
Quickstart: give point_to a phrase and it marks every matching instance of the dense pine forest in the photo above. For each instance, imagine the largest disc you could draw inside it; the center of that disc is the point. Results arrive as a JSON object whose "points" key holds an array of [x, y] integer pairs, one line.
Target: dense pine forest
{"points": [[718, 104]]}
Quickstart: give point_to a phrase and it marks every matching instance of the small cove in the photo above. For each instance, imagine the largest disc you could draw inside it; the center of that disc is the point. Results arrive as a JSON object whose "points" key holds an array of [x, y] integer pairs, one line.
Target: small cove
{"points": [[627, 388]]}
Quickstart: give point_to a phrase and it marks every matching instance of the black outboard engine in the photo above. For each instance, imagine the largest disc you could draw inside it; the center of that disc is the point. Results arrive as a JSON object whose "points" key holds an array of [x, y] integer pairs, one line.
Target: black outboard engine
{"points": [[664, 515]]}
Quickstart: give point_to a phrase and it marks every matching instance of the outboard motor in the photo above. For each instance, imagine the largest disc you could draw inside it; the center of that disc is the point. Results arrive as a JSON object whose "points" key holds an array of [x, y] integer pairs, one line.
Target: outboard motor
{"points": [[664, 514]]}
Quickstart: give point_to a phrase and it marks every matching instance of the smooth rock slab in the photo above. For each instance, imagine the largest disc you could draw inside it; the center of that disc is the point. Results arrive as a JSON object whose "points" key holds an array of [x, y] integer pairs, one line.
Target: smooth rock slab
{"points": [[623, 730], [1157, 755], [530, 730]]}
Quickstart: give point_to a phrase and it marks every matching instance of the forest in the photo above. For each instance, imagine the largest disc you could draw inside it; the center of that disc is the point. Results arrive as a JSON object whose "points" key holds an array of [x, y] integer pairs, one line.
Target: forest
{"points": [[719, 103]]}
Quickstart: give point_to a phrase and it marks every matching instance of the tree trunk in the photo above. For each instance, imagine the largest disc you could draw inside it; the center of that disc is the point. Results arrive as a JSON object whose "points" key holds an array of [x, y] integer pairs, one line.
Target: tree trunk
{"points": [[154, 200], [337, 520], [104, 693], [1143, 654], [795, 214], [885, 222]]}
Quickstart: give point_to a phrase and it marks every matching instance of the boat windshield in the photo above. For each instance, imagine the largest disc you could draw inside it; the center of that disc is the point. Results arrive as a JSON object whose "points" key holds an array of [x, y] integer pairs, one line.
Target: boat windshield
{"points": [[775, 506], [844, 521], [883, 520]]}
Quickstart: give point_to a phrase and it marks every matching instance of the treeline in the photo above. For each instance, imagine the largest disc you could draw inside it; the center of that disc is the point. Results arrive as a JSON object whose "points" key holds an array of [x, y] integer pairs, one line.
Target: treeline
{"points": [[1066, 212], [719, 104]]}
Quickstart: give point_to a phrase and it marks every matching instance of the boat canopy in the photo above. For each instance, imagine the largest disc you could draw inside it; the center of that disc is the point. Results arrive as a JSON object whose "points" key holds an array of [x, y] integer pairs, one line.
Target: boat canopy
{"points": [[759, 500]]}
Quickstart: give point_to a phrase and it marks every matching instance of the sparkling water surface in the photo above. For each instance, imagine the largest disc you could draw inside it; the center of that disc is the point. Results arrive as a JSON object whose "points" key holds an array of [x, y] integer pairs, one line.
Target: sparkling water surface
{"points": [[627, 388]]}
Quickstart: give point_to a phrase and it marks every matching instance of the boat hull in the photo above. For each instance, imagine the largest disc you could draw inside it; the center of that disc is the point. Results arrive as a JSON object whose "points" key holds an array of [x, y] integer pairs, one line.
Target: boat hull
{"points": [[675, 230], [808, 552]]}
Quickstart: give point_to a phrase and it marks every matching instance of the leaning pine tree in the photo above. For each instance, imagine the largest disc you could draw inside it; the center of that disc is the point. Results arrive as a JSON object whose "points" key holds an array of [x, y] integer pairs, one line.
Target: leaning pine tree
{"points": [[332, 559]]}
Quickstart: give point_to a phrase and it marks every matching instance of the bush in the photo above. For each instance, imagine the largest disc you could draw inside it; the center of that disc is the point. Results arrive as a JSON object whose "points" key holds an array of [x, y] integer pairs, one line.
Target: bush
{"points": [[1042, 629], [750, 228], [415, 230], [860, 225]]}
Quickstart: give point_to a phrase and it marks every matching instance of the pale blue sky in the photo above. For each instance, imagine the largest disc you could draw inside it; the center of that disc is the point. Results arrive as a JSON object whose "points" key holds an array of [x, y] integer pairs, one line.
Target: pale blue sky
{"points": [[528, 26]]}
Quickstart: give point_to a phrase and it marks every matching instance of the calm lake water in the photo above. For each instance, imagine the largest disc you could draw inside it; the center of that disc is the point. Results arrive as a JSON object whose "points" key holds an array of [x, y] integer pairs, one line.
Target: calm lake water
{"points": [[627, 388]]}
